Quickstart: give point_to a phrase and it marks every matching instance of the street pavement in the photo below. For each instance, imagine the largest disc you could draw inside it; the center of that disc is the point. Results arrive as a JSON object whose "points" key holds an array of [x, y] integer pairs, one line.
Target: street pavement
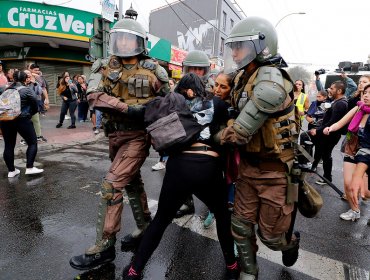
{"points": [[46, 219], [59, 137]]}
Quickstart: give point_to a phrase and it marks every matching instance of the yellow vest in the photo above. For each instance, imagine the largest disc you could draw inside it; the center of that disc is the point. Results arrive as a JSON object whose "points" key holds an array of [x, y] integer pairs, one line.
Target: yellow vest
{"points": [[301, 100]]}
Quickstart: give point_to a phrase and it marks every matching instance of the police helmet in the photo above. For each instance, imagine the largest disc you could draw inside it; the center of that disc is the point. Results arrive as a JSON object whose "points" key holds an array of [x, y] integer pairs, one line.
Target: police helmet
{"points": [[196, 59], [253, 38], [127, 38]]}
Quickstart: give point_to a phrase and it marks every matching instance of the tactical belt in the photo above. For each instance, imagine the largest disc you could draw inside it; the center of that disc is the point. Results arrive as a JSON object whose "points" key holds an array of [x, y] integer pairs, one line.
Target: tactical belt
{"points": [[199, 148], [288, 145], [269, 165], [128, 126], [283, 112]]}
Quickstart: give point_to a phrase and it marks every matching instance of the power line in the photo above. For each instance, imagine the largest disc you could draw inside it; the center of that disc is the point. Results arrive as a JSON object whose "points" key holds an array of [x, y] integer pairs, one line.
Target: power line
{"points": [[182, 21]]}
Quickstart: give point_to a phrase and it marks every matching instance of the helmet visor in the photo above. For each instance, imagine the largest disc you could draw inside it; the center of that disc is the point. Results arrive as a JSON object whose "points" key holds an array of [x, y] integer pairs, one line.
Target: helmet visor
{"points": [[124, 44], [238, 54], [199, 70]]}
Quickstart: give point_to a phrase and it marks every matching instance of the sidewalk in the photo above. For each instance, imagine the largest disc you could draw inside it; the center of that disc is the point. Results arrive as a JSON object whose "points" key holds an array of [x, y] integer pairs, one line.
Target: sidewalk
{"points": [[60, 137]]}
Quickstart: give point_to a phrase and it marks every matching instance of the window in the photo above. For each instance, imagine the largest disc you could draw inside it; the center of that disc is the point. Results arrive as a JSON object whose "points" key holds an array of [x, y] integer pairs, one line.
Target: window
{"points": [[224, 21], [231, 23], [222, 46]]}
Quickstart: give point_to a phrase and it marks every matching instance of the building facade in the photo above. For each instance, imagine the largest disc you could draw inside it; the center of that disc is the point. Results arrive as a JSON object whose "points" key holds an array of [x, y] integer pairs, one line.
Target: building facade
{"points": [[57, 39], [196, 25]]}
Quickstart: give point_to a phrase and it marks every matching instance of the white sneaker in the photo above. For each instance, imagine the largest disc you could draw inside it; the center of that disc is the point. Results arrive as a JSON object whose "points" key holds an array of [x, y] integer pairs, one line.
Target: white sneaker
{"points": [[96, 131], [159, 166], [67, 117], [33, 170], [350, 215], [14, 173]]}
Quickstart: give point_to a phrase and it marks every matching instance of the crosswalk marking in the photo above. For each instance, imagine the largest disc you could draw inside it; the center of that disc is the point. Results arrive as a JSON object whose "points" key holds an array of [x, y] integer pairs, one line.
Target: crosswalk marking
{"points": [[308, 263]]}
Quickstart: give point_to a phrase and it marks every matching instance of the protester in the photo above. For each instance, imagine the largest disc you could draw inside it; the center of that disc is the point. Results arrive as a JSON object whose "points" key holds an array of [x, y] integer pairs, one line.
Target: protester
{"points": [[68, 92], [337, 110], [22, 125], [301, 101], [222, 89], [3, 78], [34, 85], [358, 117], [197, 170], [83, 106], [44, 101], [196, 62]]}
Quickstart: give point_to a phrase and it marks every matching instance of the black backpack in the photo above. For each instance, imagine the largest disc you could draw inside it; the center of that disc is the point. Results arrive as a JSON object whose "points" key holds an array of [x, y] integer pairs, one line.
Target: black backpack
{"points": [[170, 123]]}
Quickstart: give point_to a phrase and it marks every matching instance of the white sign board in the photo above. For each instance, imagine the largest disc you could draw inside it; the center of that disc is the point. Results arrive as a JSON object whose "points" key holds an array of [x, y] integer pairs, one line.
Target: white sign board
{"points": [[108, 9]]}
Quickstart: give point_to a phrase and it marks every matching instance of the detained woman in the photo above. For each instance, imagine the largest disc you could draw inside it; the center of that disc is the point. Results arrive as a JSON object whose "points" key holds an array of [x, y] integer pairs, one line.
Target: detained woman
{"points": [[196, 170]]}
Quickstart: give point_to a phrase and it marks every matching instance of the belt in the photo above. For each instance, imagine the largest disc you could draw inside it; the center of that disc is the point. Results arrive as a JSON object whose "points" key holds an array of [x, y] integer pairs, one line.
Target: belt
{"points": [[199, 148], [128, 126], [269, 165]]}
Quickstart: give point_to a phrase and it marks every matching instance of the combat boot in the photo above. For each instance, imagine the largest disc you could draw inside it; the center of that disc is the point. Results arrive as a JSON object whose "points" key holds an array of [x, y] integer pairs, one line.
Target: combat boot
{"points": [[94, 256], [135, 192], [290, 256]]}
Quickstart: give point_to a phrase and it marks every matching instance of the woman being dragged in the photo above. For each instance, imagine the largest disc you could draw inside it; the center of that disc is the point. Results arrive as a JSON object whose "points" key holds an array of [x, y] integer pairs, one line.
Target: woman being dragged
{"points": [[198, 171]]}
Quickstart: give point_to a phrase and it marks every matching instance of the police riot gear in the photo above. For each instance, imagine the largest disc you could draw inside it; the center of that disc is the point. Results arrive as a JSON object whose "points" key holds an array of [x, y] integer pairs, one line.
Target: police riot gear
{"points": [[251, 39], [127, 38]]}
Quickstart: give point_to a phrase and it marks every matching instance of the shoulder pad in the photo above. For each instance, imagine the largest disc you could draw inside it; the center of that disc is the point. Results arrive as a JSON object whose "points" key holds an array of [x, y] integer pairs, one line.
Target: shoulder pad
{"points": [[161, 74], [96, 65], [269, 92], [114, 62], [148, 64]]}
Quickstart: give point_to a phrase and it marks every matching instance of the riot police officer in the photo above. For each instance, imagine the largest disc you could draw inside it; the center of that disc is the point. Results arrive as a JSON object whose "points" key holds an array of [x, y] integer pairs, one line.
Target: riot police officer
{"points": [[119, 89], [196, 62], [264, 131]]}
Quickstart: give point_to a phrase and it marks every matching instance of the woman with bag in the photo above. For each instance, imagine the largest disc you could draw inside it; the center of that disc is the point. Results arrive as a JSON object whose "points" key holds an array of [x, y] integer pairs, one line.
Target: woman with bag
{"points": [[358, 121], [68, 91], [196, 170], [22, 125]]}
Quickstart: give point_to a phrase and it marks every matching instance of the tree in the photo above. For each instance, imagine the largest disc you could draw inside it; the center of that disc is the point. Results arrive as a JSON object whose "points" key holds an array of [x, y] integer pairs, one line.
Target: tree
{"points": [[299, 73]]}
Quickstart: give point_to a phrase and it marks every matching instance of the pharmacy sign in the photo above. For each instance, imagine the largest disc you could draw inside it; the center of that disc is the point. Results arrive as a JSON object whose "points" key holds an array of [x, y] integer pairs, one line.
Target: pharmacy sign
{"points": [[22, 17]]}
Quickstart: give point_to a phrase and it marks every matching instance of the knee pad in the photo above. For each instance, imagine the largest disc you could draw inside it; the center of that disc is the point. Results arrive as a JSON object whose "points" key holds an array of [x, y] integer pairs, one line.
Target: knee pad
{"points": [[106, 190], [241, 229], [275, 244]]}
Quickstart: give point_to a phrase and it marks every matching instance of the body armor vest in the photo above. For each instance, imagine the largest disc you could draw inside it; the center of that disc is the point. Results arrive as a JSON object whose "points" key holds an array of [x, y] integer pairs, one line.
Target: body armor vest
{"points": [[132, 86], [275, 139]]}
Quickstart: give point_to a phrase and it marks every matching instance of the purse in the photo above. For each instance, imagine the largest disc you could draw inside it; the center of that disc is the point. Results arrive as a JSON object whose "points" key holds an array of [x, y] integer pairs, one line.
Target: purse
{"points": [[309, 200]]}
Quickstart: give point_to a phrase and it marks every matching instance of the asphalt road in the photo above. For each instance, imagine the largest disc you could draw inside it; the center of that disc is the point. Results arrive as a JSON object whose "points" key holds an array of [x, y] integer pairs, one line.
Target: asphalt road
{"points": [[44, 220]]}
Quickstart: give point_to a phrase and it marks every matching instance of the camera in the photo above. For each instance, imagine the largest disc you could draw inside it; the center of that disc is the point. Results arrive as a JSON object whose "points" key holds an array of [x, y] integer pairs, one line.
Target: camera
{"points": [[320, 71]]}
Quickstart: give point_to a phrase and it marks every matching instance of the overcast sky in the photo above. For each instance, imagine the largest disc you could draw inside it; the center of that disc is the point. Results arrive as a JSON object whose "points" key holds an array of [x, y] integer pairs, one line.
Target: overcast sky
{"points": [[329, 32]]}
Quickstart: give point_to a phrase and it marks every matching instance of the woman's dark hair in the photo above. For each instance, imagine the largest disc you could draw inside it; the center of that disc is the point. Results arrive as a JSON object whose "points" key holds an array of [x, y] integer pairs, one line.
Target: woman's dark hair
{"points": [[366, 87], [229, 77], [193, 82], [303, 85], [19, 76], [324, 93]]}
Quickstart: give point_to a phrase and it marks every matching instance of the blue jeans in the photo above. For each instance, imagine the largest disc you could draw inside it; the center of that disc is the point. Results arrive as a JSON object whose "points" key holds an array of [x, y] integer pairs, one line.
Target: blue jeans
{"points": [[71, 106], [83, 108], [26, 130], [99, 116]]}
